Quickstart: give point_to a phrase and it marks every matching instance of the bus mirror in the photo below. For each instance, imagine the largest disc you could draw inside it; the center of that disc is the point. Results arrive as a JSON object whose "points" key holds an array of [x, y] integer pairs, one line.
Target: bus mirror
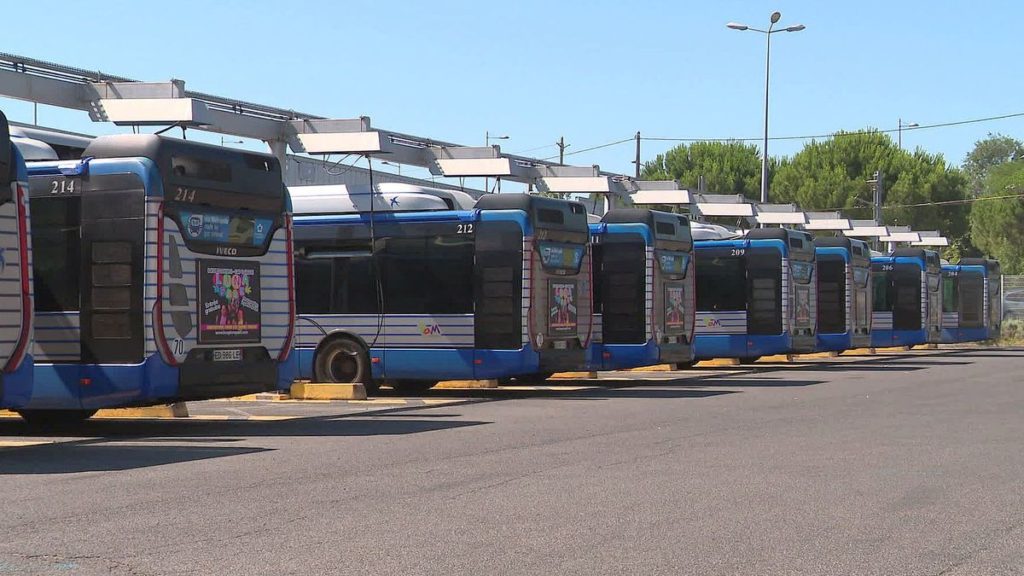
{"points": [[5, 152]]}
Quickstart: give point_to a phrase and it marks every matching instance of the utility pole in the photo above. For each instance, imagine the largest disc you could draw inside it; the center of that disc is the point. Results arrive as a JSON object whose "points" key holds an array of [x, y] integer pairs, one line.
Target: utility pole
{"points": [[637, 161], [561, 150], [877, 200]]}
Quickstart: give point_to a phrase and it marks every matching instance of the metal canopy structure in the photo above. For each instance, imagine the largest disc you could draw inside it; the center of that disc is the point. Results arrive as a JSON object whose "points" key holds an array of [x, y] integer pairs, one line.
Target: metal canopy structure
{"points": [[834, 221], [781, 214], [931, 238], [660, 193], [866, 229], [127, 102], [724, 205]]}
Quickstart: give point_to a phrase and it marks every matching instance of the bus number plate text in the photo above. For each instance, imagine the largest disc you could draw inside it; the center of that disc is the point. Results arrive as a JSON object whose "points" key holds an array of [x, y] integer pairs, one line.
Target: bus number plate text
{"points": [[227, 355]]}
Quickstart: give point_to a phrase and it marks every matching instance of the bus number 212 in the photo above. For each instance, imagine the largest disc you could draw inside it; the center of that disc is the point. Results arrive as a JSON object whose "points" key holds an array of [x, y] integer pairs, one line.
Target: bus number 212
{"points": [[464, 229]]}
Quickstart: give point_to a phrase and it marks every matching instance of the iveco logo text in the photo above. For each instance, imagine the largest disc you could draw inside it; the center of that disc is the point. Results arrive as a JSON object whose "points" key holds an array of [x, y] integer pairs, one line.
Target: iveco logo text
{"points": [[227, 251]]}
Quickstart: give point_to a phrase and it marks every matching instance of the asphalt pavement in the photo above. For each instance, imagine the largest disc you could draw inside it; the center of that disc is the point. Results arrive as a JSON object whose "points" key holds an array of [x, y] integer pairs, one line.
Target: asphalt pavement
{"points": [[898, 464]]}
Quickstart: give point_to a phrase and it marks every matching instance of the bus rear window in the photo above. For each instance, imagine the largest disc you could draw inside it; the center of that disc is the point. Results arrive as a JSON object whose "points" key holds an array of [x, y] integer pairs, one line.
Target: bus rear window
{"points": [[200, 168], [549, 216], [861, 276], [666, 228]]}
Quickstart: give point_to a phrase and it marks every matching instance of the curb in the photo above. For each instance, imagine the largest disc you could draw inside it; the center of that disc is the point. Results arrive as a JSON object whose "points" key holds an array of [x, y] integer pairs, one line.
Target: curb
{"points": [[573, 375], [717, 362], [176, 410]]}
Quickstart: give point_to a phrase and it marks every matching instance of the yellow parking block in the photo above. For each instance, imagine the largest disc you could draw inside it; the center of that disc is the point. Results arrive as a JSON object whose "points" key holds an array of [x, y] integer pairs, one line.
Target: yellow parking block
{"points": [[456, 384], [893, 349], [926, 347], [775, 358], [817, 356], [718, 362], [858, 352], [572, 375], [655, 368], [176, 410], [332, 391]]}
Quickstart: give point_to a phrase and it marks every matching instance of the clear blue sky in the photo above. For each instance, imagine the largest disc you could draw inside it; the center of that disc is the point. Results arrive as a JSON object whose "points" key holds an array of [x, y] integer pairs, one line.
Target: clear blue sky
{"points": [[593, 72]]}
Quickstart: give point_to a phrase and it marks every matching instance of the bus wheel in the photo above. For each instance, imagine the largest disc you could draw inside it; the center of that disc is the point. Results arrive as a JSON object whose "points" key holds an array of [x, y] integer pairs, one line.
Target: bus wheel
{"points": [[55, 418], [412, 386], [342, 360]]}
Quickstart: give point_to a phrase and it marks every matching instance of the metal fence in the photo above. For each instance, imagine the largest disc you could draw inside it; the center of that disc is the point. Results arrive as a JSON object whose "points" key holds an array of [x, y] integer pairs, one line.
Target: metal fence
{"points": [[1013, 297]]}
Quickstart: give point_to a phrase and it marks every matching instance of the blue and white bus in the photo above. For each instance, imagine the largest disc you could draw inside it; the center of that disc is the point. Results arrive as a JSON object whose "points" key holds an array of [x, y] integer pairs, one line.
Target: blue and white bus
{"points": [[906, 298], [163, 272], [643, 289], [755, 295], [15, 274], [970, 300], [411, 298], [844, 293]]}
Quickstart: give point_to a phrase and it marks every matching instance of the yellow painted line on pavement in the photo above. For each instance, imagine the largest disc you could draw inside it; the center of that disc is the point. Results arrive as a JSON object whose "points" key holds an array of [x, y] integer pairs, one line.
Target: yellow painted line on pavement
{"points": [[572, 375], [8, 414], [23, 443], [816, 356]]}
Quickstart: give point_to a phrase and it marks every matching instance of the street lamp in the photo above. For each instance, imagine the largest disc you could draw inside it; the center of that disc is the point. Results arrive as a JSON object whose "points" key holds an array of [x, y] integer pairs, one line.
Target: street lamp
{"points": [[395, 164], [899, 130], [487, 142], [767, 68]]}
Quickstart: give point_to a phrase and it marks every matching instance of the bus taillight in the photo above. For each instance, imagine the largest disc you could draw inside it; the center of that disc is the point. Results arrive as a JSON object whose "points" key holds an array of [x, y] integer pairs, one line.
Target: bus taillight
{"points": [[26, 290], [290, 256], [158, 308]]}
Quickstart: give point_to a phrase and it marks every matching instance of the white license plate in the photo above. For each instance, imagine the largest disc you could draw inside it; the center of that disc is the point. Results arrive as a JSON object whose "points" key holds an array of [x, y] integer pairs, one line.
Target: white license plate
{"points": [[227, 355]]}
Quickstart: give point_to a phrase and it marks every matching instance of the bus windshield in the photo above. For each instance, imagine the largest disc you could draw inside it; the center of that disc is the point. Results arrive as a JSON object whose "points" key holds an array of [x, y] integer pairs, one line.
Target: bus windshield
{"points": [[721, 284]]}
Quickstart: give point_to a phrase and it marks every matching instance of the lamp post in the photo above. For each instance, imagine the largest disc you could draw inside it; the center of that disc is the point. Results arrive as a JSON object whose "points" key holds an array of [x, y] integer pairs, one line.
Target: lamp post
{"points": [[899, 130], [487, 142], [395, 164], [767, 69]]}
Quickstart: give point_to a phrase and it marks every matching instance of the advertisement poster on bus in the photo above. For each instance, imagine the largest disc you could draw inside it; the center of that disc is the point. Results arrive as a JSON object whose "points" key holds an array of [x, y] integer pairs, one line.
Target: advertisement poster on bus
{"points": [[675, 317], [562, 316], [803, 307], [229, 302]]}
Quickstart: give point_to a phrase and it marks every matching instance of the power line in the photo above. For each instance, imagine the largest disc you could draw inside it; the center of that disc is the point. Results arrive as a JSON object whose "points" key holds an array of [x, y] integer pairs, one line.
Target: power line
{"points": [[598, 147], [840, 133], [962, 201]]}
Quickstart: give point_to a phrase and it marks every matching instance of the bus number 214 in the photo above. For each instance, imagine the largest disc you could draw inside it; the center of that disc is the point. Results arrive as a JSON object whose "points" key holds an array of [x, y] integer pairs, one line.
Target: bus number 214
{"points": [[185, 194]]}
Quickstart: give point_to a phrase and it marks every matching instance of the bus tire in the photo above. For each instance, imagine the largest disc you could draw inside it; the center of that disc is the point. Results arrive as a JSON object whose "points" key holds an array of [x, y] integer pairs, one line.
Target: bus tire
{"points": [[55, 418], [411, 386], [342, 360]]}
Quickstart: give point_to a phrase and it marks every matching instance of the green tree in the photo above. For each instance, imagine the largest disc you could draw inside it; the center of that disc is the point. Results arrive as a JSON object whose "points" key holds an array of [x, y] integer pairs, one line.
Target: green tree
{"points": [[997, 224], [994, 150], [834, 174], [727, 167]]}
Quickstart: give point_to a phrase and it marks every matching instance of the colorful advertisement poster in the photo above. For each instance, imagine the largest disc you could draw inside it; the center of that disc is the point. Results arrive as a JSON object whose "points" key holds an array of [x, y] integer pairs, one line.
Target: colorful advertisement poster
{"points": [[562, 314], [229, 301], [803, 307], [675, 317]]}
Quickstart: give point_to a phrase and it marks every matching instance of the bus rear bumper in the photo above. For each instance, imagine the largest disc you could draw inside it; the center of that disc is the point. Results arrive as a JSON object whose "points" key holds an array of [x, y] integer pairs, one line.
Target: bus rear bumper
{"points": [[200, 377]]}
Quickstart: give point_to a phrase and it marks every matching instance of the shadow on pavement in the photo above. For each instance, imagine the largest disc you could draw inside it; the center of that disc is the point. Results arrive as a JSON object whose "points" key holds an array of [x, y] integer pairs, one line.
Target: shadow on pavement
{"points": [[74, 457]]}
